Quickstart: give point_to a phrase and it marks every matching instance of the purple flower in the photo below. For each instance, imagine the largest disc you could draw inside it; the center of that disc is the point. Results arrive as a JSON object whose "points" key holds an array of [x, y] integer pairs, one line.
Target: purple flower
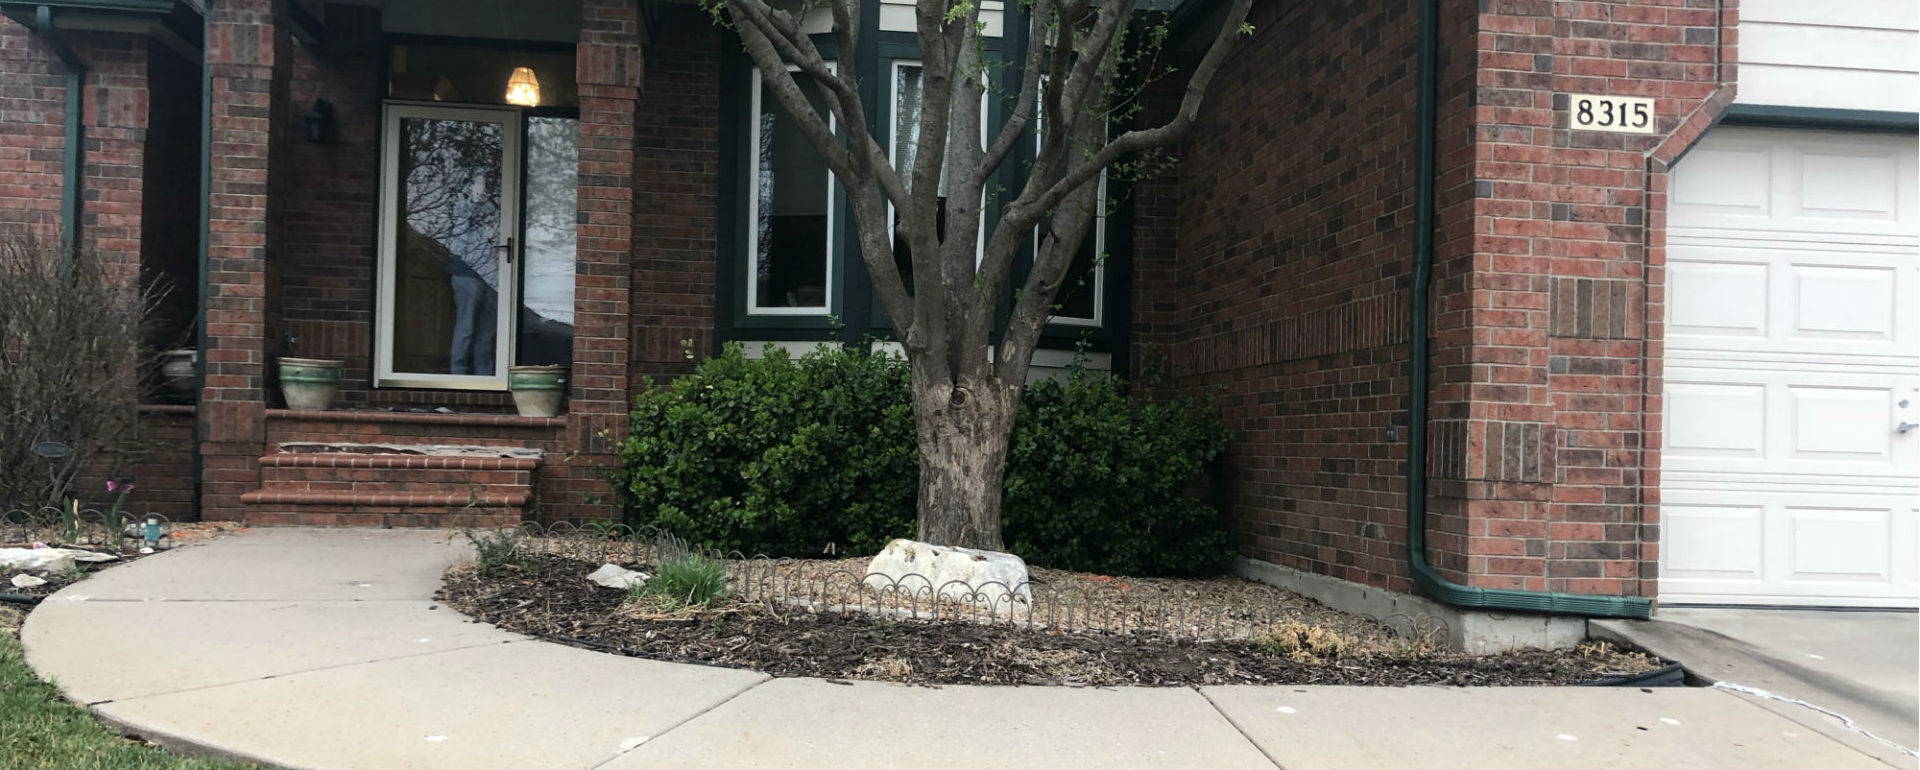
{"points": [[111, 487]]}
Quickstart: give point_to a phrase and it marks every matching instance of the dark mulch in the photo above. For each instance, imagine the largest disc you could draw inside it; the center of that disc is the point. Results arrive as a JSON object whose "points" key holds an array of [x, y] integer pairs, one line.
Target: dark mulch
{"points": [[556, 601]]}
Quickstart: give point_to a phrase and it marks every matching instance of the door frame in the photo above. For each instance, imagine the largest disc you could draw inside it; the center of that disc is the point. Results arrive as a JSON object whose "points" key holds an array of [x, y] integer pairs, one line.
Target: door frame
{"points": [[386, 267]]}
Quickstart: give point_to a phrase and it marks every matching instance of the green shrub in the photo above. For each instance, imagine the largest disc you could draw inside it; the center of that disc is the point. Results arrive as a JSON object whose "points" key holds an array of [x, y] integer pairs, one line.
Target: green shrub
{"points": [[775, 455], [795, 457], [1101, 482]]}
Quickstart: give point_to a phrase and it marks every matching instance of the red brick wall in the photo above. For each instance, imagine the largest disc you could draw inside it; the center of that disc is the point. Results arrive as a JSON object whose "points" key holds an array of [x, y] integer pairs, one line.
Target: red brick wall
{"points": [[163, 476], [1550, 403], [247, 58], [676, 177], [327, 245], [1286, 293]]}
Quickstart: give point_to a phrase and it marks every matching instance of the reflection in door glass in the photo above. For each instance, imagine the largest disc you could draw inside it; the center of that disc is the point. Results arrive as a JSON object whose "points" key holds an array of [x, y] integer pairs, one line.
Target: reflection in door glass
{"points": [[546, 294], [446, 293]]}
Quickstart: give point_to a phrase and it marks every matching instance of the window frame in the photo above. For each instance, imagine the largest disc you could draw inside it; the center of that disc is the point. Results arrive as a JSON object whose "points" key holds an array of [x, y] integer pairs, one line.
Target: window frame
{"points": [[507, 297], [1098, 232], [750, 306]]}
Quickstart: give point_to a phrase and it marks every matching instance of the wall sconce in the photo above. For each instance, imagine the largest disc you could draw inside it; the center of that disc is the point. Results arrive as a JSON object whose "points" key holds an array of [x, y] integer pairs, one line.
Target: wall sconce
{"points": [[523, 88], [319, 121]]}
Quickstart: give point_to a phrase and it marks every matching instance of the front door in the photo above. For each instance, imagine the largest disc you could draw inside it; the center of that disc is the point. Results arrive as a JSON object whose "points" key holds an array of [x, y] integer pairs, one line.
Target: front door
{"points": [[449, 214]]}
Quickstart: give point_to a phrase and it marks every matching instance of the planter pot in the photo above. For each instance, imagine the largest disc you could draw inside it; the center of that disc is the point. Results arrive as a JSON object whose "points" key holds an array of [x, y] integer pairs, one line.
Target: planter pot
{"points": [[537, 390], [176, 372], [309, 383]]}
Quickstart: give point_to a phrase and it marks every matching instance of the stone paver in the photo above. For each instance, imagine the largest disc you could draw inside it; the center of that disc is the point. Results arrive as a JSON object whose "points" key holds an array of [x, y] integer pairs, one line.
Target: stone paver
{"points": [[304, 648], [1523, 727], [814, 723]]}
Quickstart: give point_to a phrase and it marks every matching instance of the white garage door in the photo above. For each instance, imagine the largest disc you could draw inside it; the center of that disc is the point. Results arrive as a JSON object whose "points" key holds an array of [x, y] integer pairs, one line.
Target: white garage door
{"points": [[1789, 468]]}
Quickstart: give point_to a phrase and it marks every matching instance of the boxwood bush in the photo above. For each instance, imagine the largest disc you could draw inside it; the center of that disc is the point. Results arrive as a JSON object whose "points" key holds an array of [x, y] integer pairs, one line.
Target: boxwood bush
{"points": [[816, 455]]}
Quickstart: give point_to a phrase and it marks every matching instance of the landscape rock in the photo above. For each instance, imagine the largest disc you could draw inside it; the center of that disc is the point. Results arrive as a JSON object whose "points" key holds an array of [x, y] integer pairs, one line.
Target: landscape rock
{"points": [[24, 580], [616, 576], [45, 560], [990, 578]]}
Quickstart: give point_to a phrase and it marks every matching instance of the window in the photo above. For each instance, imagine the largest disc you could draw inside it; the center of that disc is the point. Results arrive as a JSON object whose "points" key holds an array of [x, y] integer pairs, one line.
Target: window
{"points": [[790, 208], [1082, 297], [546, 299], [908, 93], [1081, 300]]}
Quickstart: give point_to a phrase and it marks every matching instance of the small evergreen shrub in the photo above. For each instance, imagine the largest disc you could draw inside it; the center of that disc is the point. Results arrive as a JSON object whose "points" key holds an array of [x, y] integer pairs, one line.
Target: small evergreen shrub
{"points": [[815, 455], [775, 455], [1101, 482]]}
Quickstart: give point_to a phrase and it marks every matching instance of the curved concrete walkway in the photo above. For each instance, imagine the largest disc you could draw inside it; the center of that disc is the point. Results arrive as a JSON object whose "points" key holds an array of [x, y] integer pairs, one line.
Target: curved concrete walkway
{"points": [[325, 648]]}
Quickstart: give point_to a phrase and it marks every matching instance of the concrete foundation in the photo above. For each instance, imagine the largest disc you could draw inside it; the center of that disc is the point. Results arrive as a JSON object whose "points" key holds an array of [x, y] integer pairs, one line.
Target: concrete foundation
{"points": [[1469, 630]]}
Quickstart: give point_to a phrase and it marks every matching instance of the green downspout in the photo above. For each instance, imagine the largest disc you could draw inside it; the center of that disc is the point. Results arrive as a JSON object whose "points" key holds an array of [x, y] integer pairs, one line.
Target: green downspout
{"points": [[1425, 577], [206, 231], [75, 147]]}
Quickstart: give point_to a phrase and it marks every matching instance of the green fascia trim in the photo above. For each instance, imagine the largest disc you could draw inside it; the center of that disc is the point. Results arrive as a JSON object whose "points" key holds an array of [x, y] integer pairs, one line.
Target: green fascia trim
{"points": [[130, 6], [1425, 577], [1776, 116]]}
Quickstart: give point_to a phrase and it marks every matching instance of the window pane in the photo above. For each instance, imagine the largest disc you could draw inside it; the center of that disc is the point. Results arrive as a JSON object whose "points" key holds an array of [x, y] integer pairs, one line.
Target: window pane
{"points": [[446, 293], [792, 203], [1076, 297], [546, 294]]}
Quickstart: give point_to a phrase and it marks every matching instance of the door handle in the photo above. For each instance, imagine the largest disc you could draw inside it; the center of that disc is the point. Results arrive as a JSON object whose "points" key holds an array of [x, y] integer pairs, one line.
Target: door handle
{"points": [[1905, 427], [508, 248]]}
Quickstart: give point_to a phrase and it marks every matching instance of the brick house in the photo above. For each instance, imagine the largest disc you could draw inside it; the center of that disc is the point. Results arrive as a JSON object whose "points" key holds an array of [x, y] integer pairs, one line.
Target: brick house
{"points": [[1669, 339]]}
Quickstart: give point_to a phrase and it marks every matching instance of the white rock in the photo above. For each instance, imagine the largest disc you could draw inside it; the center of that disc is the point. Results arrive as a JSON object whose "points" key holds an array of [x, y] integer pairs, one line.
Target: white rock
{"points": [[616, 576], [24, 580], [993, 579], [44, 560]]}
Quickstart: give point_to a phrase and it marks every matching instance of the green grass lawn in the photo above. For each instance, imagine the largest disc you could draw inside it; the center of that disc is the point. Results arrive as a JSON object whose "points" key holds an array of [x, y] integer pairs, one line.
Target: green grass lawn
{"points": [[39, 729]]}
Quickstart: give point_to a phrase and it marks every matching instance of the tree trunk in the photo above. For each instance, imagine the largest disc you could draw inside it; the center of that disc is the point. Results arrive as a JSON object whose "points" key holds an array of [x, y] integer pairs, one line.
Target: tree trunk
{"points": [[963, 433]]}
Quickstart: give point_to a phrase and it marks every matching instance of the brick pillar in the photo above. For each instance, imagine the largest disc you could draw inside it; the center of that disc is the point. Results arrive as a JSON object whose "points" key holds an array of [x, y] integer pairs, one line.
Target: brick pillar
{"points": [[245, 49], [1543, 445], [608, 74]]}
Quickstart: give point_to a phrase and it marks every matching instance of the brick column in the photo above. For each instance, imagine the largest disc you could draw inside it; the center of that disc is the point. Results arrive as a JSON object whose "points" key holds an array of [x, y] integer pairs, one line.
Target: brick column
{"points": [[245, 49], [608, 72], [1544, 444]]}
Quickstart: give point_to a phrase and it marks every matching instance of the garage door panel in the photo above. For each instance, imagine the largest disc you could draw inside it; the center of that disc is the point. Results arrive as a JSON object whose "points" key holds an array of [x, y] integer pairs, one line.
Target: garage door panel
{"points": [[1723, 544], [1849, 545], [1716, 420], [1842, 425], [1718, 299], [1818, 547], [1844, 302], [1844, 183], [1791, 359]]}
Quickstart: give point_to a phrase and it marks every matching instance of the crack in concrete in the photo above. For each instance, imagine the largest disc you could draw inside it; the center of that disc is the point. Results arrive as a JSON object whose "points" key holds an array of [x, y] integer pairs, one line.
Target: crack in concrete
{"points": [[696, 715], [283, 675], [1237, 728]]}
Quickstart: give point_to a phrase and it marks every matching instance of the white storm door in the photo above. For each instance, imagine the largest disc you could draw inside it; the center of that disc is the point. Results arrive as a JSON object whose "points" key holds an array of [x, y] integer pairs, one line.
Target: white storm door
{"points": [[449, 211]]}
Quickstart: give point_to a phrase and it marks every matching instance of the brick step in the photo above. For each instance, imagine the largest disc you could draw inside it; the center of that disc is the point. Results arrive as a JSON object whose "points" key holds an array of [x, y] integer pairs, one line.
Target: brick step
{"points": [[347, 488], [339, 472]]}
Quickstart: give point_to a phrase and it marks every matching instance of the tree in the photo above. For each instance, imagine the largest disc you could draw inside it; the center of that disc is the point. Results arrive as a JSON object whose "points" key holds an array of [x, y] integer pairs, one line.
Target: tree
{"points": [[965, 392]]}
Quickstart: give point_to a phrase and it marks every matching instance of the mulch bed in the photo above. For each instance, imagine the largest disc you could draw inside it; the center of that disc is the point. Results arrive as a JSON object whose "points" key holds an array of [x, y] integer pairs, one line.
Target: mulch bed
{"points": [[553, 599], [182, 534]]}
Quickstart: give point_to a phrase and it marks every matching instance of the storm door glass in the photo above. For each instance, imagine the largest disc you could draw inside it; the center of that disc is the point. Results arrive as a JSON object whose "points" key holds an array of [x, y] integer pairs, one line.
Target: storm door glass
{"points": [[447, 246]]}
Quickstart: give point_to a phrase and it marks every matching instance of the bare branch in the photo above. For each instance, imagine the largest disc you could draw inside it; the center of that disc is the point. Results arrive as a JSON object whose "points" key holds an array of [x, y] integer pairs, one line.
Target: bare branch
{"points": [[1015, 125]]}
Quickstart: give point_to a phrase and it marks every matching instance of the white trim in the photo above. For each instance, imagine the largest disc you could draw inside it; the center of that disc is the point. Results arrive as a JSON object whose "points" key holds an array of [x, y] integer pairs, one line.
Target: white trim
{"points": [[507, 300], [753, 216], [1099, 236]]}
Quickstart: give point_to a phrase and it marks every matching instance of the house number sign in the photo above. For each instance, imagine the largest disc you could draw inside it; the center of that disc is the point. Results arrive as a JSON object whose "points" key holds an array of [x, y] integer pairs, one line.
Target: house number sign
{"points": [[1618, 114]]}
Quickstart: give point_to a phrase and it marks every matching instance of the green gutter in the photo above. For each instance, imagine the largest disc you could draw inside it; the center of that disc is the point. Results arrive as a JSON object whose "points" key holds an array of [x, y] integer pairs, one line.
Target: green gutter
{"points": [[75, 147], [1425, 577], [200, 320]]}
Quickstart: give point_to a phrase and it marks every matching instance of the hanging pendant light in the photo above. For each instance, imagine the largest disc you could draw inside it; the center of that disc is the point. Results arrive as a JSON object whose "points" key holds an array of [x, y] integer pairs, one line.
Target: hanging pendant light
{"points": [[523, 88]]}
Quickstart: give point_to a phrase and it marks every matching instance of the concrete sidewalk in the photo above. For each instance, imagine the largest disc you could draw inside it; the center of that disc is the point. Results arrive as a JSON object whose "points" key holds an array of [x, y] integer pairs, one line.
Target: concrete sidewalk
{"points": [[1858, 664], [325, 648]]}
